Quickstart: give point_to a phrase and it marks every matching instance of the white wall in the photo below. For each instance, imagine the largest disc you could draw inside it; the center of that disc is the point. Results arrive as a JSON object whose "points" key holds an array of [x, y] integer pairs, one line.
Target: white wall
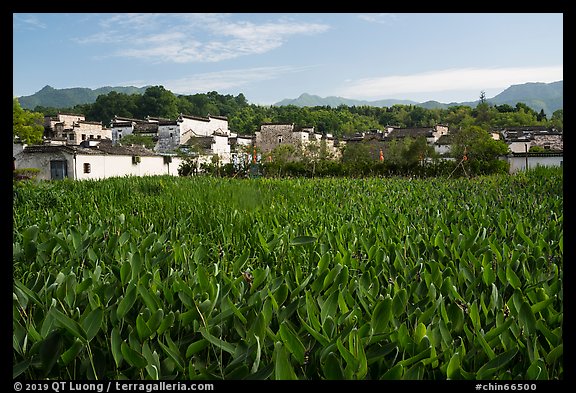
{"points": [[519, 163], [101, 166], [104, 166]]}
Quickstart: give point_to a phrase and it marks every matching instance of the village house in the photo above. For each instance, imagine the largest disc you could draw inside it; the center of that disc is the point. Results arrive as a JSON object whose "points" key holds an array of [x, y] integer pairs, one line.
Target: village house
{"points": [[521, 139], [272, 135], [73, 129], [436, 136], [94, 159], [78, 149]]}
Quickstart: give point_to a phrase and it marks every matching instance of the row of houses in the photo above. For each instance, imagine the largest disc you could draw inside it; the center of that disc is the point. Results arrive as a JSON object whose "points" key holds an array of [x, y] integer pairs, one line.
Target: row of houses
{"points": [[78, 149]]}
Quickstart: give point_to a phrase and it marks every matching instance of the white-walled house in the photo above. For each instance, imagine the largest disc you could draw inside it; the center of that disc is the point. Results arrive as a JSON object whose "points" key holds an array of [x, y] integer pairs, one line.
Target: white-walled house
{"points": [[522, 161], [74, 128], [94, 160]]}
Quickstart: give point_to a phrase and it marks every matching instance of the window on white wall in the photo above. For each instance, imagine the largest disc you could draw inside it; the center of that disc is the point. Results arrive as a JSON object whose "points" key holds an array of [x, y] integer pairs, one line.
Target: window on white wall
{"points": [[87, 167]]}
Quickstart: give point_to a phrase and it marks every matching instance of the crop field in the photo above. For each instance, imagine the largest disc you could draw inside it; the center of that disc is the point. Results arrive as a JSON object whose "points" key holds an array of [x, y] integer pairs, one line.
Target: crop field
{"points": [[210, 278]]}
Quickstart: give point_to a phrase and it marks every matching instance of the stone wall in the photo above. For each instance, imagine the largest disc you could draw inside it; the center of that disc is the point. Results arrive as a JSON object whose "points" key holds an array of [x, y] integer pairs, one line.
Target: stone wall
{"points": [[271, 136]]}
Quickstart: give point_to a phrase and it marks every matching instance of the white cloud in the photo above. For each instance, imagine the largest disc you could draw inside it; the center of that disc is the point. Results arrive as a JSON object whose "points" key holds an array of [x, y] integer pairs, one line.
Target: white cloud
{"points": [[219, 81], [26, 21], [381, 18], [448, 80], [189, 38]]}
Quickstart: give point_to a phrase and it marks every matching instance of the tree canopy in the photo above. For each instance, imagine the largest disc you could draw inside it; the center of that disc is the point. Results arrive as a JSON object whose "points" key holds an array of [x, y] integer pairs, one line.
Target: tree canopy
{"points": [[245, 118], [27, 126]]}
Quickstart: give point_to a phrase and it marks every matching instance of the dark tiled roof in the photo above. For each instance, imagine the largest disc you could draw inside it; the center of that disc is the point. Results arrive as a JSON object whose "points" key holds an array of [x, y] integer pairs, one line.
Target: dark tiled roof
{"points": [[204, 142], [526, 128], [194, 117], [218, 117], [90, 122], [103, 147], [120, 118], [412, 132], [146, 127]]}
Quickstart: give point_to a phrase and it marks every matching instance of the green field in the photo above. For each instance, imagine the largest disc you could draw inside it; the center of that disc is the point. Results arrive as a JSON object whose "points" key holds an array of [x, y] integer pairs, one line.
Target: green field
{"points": [[210, 278]]}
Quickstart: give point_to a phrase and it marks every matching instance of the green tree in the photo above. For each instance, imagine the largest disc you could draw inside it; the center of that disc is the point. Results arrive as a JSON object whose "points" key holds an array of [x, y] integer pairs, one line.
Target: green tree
{"points": [[557, 119], [482, 113], [112, 104], [27, 126], [477, 144], [157, 102]]}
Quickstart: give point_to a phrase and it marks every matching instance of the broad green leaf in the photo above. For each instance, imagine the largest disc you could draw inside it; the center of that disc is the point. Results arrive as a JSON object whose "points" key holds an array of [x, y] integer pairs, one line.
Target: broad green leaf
{"points": [[493, 365], [453, 370], [240, 262], [196, 347], [399, 302], [132, 357], [329, 279], [474, 316], [21, 367], [488, 274], [416, 372], [126, 303], [538, 307], [236, 311], [419, 332], [495, 332], [115, 345], [226, 346], [172, 351], [135, 265], [71, 353], [283, 369], [155, 320], [125, 272], [512, 278], [92, 323], [395, 373], [331, 367], [70, 325], [142, 328], [329, 307], [347, 355], [50, 350], [526, 318], [302, 240], [537, 371], [422, 355], [484, 342], [256, 363], [292, 342], [317, 335], [554, 354], [167, 323], [381, 316], [149, 299]]}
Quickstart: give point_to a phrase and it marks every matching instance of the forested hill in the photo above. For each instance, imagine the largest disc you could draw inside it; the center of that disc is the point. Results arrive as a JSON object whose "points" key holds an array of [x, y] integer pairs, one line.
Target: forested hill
{"points": [[68, 98], [538, 96]]}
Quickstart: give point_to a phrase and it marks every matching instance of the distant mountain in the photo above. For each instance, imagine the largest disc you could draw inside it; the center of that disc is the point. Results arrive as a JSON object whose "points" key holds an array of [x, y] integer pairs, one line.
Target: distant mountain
{"points": [[68, 98], [547, 96], [312, 100]]}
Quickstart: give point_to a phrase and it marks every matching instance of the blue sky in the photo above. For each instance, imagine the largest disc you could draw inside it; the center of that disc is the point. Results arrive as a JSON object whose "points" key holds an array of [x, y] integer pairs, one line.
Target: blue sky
{"points": [[447, 57]]}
